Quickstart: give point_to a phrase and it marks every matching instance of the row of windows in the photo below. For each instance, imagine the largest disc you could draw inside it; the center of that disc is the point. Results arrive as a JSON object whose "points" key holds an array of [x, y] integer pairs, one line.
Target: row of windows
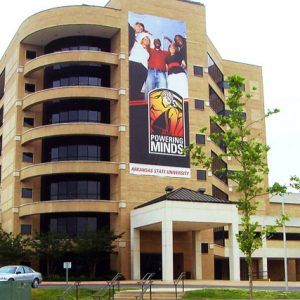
{"points": [[76, 110], [215, 73], [74, 224], [87, 43], [77, 75], [2, 83]]}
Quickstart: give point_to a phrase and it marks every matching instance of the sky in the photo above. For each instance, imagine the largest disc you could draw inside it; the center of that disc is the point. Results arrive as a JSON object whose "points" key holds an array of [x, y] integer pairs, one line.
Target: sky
{"points": [[259, 32]]}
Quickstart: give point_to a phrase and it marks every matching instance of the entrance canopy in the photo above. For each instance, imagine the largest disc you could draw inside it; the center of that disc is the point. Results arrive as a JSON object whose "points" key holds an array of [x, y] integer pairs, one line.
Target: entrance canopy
{"points": [[183, 210]]}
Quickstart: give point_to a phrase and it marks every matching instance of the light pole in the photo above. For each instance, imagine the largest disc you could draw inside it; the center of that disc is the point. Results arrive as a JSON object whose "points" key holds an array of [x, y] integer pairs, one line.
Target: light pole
{"points": [[285, 249]]}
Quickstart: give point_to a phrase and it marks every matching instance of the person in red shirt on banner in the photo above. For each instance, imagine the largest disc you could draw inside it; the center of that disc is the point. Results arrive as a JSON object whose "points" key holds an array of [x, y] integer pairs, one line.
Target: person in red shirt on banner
{"points": [[156, 68]]}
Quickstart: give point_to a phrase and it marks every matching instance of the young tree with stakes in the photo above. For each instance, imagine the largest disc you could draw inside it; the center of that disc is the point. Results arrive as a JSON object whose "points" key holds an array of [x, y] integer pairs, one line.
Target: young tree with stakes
{"points": [[251, 155]]}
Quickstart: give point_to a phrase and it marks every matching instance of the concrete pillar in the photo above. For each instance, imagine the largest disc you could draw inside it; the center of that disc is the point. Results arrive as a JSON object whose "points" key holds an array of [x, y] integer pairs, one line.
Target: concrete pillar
{"points": [[135, 254], [263, 262], [234, 252], [198, 255], [167, 249]]}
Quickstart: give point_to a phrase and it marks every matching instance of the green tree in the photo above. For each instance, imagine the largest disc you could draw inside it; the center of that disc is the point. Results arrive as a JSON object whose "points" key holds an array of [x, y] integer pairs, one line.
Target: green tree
{"points": [[251, 156], [93, 245], [14, 248], [51, 248]]}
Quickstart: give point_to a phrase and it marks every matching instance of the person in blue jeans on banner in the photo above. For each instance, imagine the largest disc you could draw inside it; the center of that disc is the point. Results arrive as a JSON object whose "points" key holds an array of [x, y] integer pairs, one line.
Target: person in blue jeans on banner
{"points": [[156, 68]]}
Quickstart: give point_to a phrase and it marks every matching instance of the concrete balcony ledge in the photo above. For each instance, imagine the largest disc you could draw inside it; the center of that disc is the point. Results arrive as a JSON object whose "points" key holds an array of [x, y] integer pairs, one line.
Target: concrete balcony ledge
{"points": [[67, 92], [57, 206], [63, 129], [65, 167], [76, 56]]}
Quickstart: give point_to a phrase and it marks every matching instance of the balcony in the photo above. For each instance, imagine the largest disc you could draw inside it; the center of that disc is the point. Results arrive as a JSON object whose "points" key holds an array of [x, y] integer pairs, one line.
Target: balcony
{"points": [[62, 129], [44, 207], [67, 92], [70, 57], [65, 167]]}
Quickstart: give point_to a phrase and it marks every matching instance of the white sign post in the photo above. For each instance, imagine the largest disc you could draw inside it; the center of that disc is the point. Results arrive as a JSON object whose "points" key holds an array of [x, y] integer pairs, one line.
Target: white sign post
{"points": [[67, 266]]}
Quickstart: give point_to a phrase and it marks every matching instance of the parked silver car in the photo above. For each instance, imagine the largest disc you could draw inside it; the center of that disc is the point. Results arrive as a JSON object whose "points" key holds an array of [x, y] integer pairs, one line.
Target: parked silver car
{"points": [[20, 273]]}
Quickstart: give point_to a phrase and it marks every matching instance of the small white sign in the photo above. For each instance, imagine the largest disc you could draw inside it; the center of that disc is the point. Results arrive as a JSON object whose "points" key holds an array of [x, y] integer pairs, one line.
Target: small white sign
{"points": [[67, 265]]}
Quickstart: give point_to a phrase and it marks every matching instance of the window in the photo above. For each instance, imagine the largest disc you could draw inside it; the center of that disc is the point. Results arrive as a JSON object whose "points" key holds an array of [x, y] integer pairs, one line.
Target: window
{"points": [[215, 102], [30, 54], [30, 87], [28, 122], [199, 104], [198, 71], [1, 145], [204, 247], [219, 194], [200, 139], [215, 73], [214, 128], [2, 83], [201, 174], [26, 193], [27, 156], [25, 229], [219, 168], [1, 116]]}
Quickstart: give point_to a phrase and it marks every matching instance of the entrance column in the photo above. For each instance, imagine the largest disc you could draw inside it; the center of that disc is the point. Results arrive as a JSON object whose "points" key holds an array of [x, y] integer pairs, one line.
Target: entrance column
{"points": [[167, 249], [263, 262], [135, 254], [198, 256], [234, 252]]}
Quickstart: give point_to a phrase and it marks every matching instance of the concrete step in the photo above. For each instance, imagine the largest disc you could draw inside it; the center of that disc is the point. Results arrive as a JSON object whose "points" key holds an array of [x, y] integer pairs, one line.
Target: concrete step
{"points": [[156, 295]]}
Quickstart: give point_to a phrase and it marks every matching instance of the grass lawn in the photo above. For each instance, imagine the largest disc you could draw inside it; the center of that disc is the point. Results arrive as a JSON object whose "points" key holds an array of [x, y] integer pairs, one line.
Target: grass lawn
{"points": [[52, 294], [239, 294]]}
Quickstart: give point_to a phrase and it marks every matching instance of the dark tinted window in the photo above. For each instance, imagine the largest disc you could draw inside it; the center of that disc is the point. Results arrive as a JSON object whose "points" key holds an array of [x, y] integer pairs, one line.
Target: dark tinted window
{"points": [[83, 43], [76, 110], [200, 139], [76, 148], [75, 223], [30, 54], [199, 104], [27, 156], [30, 87], [26, 193], [198, 71], [2, 83], [214, 128], [28, 122], [75, 186], [1, 116], [216, 192], [204, 247], [215, 73], [201, 174], [219, 168], [25, 229], [215, 102]]}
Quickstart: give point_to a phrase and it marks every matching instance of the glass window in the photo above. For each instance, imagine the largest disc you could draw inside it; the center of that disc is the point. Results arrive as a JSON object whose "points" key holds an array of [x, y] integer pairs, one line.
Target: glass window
{"points": [[83, 115], [199, 104], [93, 116], [56, 83], [82, 152], [53, 190], [30, 87], [200, 139], [27, 156], [215, 73], [83, 80], [73, 115], [63, 117], [82, 189], [62, 190], [201, 174], [25, 229], [92, 223], [2, 83], [30, 54], [55, 118], [26, 193], [198, 71], [28, 122]]}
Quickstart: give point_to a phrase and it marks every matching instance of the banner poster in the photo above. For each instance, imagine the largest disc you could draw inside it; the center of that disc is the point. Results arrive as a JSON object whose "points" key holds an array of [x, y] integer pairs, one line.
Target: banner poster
{"points": [[158, 96]]}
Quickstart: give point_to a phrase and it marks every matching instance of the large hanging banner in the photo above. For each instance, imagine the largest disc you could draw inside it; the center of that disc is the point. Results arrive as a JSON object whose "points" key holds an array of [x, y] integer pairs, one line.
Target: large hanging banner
{"points": [[158, 96]]}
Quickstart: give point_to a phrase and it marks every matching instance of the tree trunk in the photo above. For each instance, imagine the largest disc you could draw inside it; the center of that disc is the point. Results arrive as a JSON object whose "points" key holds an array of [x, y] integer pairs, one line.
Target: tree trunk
{"points": [[250, 279]]}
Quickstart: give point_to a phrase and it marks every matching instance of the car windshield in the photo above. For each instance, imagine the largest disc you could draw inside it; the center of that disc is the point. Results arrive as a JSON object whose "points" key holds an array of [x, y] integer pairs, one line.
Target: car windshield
{"points": [[8, 270]]}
